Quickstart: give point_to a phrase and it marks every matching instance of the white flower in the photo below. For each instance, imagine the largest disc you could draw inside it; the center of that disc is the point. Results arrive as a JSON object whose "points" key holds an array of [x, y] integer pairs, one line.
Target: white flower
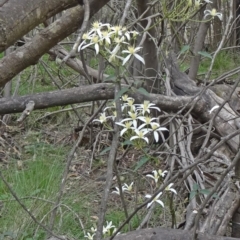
{"points": [[169, 188], [125, 97], [117, 30], [162, 173], [113, 54], [140, 134], [129, 103], [146, 106], [126, 126], [102, 118], [213, 13], [89, 236], [94, 41], [132, 52], [215, 107], [155, 175], [118, 191], [156, 129], [128, 188], [155, 200], [147, 121], [106, 35], [208, 1], [133, 117], [106, 230], [96, 28]]}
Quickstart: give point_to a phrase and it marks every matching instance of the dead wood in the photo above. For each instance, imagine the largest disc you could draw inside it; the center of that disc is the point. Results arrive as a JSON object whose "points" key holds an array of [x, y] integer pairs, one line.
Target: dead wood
{"points": [[166, 234]]}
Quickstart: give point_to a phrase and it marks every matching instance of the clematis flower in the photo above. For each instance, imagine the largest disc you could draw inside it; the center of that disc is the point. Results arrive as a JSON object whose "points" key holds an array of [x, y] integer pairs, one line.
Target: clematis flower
{"points": [[106, 230], [147, 121], [213, 13], [125, 97], [128, 188], [208, 1], [146, 106], [132, 117], [130, 103], [126, 126], [162, 173], [132, 52], [89, 236], [117, 191], [102, 118], [96, 28], [169, 188], [155, 176], [94, 41], [156, 199], [156, 130], [140, 134]]}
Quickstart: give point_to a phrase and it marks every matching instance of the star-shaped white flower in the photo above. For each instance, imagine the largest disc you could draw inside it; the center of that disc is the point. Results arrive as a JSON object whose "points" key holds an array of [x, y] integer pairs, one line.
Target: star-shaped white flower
{"points": [[118, 191], [146, 106], [106, 230], [169, 188], [89, 236], [140, 134], [94, 41], [147, 121], [157, 174], [208, 1], [126, 126], [156, 199], [103, 118], [128, 188], [132, 52], [213, 13], [156, 131]]}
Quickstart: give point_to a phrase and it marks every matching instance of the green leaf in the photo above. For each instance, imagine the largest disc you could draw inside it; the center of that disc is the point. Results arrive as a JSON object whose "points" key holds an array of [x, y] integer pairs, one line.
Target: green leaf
{"points": [[195, 187], [110, 79], [105, 150], [142, 161], [205, 54], [204, 191], [192, 194], [127, 142], [184, 49], [208, 191], [143, 91], [121, 92]]}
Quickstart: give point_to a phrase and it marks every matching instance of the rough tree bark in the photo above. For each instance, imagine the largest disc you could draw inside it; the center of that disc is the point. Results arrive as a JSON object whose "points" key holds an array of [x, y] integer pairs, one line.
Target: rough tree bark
{"points": [[166, 234], [29, 54], [19, 17]]}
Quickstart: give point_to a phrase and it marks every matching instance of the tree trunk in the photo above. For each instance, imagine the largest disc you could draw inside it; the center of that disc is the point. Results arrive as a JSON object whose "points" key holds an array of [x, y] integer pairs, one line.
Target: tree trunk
{"points": [[29, 54], [19, 17]]}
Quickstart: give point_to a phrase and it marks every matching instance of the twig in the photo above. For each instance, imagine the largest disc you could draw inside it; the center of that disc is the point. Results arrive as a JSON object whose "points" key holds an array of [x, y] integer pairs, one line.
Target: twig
{"points": [[127, 6], [83, 28], [234, 162], [29, 108], [111, 159], [69, 160], [26, 210]]}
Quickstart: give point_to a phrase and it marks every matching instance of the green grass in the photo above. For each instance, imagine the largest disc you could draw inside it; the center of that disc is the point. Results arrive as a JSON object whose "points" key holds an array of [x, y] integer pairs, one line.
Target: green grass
{"points": [[224, 61], [37, 184]]}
